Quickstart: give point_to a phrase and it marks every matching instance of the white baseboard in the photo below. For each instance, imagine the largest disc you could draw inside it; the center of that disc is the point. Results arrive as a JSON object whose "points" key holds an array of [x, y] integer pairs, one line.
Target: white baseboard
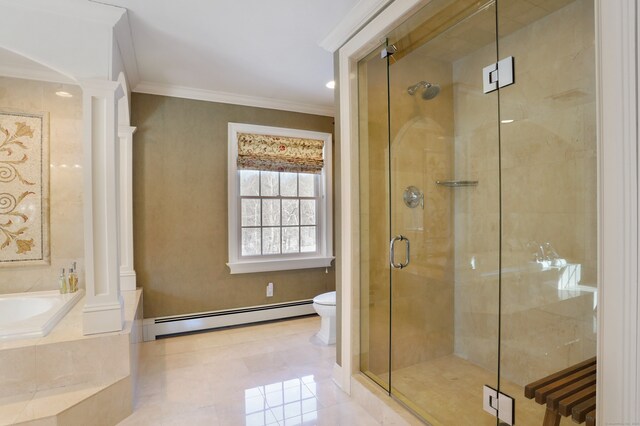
{"points": [[156, 327]]}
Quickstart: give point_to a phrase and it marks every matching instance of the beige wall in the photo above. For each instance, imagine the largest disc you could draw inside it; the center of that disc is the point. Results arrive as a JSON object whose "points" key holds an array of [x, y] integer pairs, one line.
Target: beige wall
{"points": [[65, 186], [180, 208], [477, 208], [374, 217], [421, 134], [421, 153], [548, 180]]}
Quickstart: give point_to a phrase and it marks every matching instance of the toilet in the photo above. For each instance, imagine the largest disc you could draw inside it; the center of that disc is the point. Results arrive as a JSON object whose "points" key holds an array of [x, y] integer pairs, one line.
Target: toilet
{"points": [[325, 306]]}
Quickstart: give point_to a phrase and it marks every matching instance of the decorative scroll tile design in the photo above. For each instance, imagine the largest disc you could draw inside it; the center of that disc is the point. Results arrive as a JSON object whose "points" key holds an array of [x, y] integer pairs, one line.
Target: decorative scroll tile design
{"points": [[24, 188]]}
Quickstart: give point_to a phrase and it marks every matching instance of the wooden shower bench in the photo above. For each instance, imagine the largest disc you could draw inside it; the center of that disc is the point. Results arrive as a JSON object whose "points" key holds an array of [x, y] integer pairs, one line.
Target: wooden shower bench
{"points": [[569, 392]]}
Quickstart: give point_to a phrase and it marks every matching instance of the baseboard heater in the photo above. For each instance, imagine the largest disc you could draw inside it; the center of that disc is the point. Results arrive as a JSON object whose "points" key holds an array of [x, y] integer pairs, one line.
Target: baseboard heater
{"points": [[178, 324]]}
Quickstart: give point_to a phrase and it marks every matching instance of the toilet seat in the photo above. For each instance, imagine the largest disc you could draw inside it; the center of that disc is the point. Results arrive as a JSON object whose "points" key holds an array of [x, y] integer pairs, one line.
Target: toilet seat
{"points": [[326, 299]]}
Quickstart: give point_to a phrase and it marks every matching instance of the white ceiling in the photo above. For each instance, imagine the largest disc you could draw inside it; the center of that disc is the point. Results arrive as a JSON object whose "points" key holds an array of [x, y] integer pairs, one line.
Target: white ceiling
{"points": [[14, 65], [266, 51]]}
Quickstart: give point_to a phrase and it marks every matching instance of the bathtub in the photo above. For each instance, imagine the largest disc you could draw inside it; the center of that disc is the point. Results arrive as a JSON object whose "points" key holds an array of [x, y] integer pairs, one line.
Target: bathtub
{"points": [[34, 314]]}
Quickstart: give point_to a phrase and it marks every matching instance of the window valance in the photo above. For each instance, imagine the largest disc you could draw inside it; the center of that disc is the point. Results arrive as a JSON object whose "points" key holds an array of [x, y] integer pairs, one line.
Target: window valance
{"points": [[279, 153]]}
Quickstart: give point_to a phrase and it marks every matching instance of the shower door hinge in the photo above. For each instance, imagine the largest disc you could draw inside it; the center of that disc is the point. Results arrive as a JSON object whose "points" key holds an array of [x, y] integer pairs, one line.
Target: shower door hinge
{"points": [[498, 75], [388, 51], [499, 405]]}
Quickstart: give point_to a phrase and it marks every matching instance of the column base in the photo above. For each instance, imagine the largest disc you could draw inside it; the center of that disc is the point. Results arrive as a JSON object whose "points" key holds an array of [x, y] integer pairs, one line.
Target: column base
{"points": [[103, 318], [127, 280]]}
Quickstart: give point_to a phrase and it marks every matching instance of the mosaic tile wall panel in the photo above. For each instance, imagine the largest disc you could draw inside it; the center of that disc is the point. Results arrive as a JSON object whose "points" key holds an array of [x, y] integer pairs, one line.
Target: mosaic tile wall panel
{"points": [[24, 188]]}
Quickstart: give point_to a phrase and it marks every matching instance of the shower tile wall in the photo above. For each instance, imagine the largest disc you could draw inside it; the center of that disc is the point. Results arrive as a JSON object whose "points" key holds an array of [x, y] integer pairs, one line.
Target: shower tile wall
{"points": [[548, 196], [477, 213], [374, 219], [65, 180], [422, 148], [421, 153]]}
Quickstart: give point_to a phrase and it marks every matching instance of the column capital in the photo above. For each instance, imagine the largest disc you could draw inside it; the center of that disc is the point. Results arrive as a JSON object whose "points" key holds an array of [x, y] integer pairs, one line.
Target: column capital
{"points": [[125, 130], [103, 88]]}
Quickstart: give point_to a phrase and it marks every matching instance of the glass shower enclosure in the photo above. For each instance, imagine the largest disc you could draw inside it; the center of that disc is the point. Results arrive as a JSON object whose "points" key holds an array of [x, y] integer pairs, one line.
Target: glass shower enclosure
{"points": [[477, 180]]}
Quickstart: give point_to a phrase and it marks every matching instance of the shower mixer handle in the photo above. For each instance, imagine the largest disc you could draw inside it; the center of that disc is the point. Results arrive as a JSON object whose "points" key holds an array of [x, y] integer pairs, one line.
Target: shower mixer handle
{"points": [[392, 260]]}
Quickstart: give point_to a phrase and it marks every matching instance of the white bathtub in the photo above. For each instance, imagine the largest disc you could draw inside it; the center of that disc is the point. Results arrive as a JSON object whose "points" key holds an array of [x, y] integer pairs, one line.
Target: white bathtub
{"points": [[24, 315]]}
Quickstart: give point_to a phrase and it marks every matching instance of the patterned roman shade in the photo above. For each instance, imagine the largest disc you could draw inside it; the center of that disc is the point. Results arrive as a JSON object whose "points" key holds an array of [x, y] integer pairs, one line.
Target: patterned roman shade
{"points": [[279, 153]]}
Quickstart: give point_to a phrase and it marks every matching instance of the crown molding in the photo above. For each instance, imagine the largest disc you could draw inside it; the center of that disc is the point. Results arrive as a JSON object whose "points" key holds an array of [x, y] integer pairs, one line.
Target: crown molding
{"points": [[230, 98], [361, 13], [25, 73]]}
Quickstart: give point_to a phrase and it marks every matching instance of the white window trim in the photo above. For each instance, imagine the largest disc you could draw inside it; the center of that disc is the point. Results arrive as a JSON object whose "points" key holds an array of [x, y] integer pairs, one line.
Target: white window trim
{"points": [[324, 256]]}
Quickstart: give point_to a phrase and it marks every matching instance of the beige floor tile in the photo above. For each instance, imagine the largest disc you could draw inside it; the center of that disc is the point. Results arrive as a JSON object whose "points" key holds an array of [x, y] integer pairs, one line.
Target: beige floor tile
{"points": [[319, 370], [449, 391], [269, 374], [205, 416], [265, 361], [327, 392], [347, 414]]}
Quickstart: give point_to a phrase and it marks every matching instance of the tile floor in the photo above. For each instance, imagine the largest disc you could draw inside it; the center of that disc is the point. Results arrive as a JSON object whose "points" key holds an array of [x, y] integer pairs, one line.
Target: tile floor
{"points": [[450, 393], [269, 374]]}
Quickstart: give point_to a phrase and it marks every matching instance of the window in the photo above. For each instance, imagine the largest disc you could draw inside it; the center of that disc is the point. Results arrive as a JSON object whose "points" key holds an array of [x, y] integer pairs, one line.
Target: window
{"points": [[278, 220]]}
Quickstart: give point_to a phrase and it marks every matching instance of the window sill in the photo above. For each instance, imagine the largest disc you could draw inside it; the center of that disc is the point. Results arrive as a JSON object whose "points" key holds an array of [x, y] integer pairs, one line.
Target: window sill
{"points": [[248, 267]]}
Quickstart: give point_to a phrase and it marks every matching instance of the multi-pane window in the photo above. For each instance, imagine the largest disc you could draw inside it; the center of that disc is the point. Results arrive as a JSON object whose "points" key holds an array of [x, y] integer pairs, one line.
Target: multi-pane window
{"points": [[278, 213], [279, 199]]}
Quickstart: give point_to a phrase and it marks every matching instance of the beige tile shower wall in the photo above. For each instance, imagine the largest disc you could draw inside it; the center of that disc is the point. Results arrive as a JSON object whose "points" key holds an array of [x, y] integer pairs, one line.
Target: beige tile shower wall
{"points": [[477, 212], [548, 196], [180, 208], [477, 220], [374, 217], [65, 186], [422, 152]]}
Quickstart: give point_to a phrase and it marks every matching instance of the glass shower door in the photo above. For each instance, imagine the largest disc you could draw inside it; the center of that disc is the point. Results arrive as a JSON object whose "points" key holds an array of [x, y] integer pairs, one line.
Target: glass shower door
{"points": [[478, 206], [444, 200], [374, 209], [549, 231]]}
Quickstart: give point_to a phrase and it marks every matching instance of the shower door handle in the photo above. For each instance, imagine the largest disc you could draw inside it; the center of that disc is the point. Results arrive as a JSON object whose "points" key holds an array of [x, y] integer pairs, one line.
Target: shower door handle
{"points": [[392, 257]]}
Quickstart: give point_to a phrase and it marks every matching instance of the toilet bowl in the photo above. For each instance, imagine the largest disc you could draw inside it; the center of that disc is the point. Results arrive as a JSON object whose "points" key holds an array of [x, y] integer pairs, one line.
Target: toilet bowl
{"points": [[325, 306]]}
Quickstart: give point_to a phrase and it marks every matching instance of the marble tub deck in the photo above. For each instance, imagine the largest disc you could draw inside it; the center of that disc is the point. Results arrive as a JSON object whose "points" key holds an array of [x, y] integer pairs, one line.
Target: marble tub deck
{"points": [[66, 377]]}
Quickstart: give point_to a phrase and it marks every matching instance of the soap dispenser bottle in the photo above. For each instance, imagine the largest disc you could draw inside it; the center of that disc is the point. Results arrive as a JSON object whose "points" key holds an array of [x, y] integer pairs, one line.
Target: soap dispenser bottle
{"points": [[73, 279], [63, 282]]}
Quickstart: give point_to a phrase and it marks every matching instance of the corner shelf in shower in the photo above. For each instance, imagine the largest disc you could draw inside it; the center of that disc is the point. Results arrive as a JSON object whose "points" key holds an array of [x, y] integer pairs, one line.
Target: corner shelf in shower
{"points": [[456, 183]]}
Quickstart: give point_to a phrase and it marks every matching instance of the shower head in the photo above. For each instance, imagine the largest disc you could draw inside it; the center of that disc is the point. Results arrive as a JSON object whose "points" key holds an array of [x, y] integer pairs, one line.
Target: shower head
{"points": [[431, 90]]}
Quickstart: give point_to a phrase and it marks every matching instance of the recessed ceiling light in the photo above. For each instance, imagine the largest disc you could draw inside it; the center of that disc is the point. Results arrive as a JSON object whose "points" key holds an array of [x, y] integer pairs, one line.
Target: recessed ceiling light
{"points": [[506, 121], [64, 94], [331, 85]]}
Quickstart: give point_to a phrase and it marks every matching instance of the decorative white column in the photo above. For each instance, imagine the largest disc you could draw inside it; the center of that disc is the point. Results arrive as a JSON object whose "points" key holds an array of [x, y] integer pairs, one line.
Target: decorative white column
{"points": [[618, 53], [127, 273], [103, 311]]}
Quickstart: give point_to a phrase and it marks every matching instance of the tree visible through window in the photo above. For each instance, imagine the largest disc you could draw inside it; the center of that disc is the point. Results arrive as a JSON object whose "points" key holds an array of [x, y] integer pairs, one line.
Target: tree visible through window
{"points": [[278, 212]]}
